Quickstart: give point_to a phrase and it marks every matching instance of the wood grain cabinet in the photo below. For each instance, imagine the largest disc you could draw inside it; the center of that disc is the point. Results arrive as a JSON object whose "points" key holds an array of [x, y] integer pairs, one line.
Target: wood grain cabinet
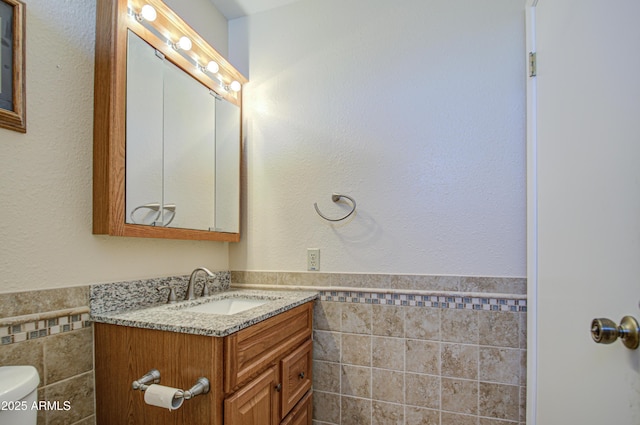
{"points": [[260, 375]]}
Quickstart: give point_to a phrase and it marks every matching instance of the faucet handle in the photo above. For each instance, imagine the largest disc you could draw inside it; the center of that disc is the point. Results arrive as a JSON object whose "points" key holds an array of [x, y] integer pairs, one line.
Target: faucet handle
{"points": [[172, 293]]}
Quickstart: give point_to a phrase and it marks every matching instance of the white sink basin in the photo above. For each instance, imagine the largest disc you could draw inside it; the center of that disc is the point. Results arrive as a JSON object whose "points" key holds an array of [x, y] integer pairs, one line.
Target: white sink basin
{"points": [[226, 306]]}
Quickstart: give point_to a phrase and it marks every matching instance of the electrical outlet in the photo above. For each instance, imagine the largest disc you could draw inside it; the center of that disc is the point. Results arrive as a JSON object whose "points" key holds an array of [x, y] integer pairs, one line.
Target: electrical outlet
{"points": [[313, 259]]}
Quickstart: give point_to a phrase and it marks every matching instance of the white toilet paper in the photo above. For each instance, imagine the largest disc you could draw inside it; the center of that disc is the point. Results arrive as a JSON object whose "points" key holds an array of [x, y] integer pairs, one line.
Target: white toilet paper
{"points": [[161, 396]]}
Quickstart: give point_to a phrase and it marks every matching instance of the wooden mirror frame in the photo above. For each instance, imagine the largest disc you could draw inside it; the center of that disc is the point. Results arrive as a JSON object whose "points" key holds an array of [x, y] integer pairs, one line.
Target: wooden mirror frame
{"points": [[16, 118], [109, 133]]}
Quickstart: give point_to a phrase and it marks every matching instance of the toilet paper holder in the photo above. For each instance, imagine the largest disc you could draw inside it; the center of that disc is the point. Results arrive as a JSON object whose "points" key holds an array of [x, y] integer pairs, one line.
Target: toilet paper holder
{"points": [[201, 386]]}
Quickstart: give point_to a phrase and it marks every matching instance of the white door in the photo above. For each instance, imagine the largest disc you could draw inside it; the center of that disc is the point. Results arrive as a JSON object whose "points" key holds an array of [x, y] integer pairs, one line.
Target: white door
{"points": [[587, 232]]}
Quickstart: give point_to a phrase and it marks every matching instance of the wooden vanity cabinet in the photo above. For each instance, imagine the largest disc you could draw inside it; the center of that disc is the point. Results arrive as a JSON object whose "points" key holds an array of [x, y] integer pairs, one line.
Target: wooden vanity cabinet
{"points": [[283, 346], [260, 375]]}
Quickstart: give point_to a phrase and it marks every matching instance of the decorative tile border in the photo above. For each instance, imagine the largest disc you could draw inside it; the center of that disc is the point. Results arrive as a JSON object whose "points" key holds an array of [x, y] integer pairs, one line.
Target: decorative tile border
{"points": [[437, 301], [14, 330]]}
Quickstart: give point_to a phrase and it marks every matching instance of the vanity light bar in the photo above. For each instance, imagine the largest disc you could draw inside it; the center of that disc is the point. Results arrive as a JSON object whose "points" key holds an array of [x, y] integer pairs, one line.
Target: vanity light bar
{"points": [[165, 29], [147, 13]]}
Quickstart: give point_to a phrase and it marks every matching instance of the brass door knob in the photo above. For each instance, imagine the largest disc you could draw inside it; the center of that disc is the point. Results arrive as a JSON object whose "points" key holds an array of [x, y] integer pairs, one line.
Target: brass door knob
{"points": [[605, 331]]}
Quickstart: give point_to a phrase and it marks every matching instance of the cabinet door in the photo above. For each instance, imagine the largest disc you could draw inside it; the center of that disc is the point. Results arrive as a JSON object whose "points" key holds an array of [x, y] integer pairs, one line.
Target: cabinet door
{"points": [[257, 403], [302, 413], [296, 376]]}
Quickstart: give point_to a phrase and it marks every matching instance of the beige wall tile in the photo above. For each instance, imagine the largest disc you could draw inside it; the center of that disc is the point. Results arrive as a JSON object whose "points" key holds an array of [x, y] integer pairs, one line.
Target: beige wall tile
{"points": [[500, 329], [496, 285], [364, 280], [326, 346], [355, 411], [68, 354], [422, 356], [427, 283], [387, 353], [460, 396], [21, 303], [326, 376], [456, 419], [29, 352], [79, 391], [459, 361], [387, 413], [42, 414], [417, 415], [91, 420], [523, 330], [500, 365], [422, 390], [422, 323], [356, 349], [388, 385], [499, 401], [523, 404], [356, 381], [459, 326], [488, 421], [327, 316], [256, 278], [326, 407], [356, 318], [304, 279], [388, 320]]}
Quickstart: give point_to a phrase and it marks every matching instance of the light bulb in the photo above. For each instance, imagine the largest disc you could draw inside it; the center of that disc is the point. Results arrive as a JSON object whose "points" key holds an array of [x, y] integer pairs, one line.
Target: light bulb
{"points": [[235, 86], [184, 43], [212, 67], [148, 13]]}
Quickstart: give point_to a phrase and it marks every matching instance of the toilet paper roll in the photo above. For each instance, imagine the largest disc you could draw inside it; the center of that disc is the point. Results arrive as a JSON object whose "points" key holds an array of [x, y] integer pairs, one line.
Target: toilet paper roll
{"points": [[161, 396]]}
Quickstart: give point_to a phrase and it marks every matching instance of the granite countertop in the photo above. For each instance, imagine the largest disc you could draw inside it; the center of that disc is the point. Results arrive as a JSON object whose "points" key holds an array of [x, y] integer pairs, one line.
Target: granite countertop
{"points": [[172, 317]]}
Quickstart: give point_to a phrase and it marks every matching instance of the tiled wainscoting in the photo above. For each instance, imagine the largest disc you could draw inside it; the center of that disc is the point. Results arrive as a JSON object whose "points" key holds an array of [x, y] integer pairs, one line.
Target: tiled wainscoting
{"points": [[400, 349], [388, 349], [50, 330]]}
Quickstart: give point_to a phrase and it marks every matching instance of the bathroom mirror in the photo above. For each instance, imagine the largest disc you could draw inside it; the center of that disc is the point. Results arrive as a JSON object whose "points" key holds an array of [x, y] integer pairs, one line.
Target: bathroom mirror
{"points": [[167, 128], [182, 147]]}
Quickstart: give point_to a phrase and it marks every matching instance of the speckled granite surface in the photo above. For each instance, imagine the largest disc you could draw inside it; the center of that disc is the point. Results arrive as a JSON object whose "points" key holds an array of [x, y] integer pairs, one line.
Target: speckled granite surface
{"points": [[135, 294], [172, 317]]}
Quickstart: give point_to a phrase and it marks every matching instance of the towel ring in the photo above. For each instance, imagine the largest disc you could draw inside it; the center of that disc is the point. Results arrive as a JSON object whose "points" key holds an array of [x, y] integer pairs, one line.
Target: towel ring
{"points": [[335, 198], [155, 207]]}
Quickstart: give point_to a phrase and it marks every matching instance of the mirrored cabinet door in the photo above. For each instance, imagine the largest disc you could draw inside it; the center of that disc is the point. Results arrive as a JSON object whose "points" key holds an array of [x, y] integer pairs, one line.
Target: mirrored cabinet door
{"points": [[189, 150], [144, 133], [182, 147], [227, 166]]}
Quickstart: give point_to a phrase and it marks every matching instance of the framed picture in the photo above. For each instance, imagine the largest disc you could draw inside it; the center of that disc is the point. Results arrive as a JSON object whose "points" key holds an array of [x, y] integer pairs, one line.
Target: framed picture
{"points": [[12, 86]]}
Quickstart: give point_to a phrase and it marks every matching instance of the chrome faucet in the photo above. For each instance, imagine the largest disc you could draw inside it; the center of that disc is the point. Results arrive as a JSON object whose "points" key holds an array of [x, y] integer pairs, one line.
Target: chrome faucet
{"points": [[191, 294]]}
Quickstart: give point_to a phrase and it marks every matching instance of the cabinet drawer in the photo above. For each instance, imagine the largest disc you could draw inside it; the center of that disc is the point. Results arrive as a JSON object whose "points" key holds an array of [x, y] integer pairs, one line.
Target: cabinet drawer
{"points": [[251, 350], [302, 413], [296, 376]]}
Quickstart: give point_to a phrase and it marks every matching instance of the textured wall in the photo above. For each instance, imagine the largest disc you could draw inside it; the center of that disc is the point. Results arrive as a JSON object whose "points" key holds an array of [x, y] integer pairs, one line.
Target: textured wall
{"points": [[416, 111], [46, 174]]}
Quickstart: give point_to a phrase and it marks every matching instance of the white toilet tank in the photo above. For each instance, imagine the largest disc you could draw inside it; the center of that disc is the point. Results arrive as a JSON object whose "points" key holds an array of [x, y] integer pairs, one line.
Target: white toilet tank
{"points": [[18, 392]]}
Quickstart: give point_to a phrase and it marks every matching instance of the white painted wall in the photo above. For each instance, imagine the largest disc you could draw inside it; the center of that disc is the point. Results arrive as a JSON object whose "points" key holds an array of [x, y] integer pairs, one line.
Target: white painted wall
{"points": [[417, 111], [46, 174], [204, 17]]}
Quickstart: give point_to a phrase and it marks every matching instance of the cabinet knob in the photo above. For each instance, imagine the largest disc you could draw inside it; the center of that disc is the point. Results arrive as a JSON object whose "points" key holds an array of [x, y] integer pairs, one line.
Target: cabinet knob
{"points": [[301, 376], [278, 387]]}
